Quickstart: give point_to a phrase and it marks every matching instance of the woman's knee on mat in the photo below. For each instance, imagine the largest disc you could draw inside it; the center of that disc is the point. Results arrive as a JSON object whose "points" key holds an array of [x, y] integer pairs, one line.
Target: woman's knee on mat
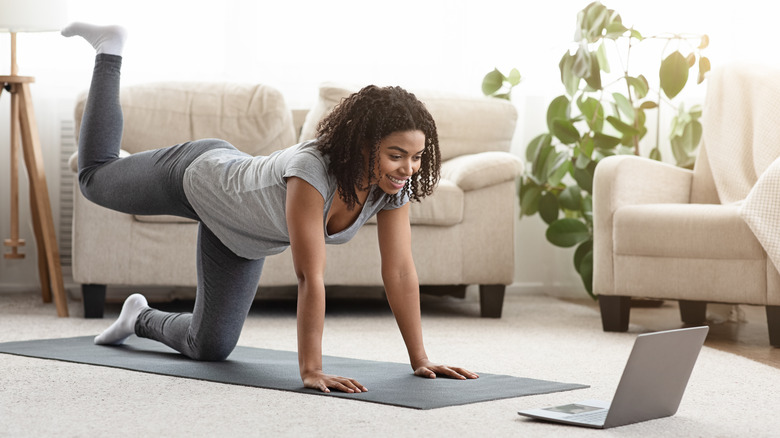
{"points": [[211, 350]]}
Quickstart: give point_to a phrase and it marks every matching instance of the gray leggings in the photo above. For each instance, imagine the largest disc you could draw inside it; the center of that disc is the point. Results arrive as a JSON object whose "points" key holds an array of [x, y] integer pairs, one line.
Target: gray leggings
{"points": [[151, 182]]}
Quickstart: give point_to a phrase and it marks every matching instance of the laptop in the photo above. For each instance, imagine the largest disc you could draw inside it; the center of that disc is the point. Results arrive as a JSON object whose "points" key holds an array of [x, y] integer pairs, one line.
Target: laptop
{"points": [[652, 385]]}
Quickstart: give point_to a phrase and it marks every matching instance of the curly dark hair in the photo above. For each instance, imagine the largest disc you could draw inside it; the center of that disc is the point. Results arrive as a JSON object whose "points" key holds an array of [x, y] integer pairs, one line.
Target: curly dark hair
{"points": [[359, 122]]}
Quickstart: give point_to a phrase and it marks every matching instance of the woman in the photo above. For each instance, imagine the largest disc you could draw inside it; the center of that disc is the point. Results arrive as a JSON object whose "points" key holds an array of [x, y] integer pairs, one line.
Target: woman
{"points": [[376, 151]]}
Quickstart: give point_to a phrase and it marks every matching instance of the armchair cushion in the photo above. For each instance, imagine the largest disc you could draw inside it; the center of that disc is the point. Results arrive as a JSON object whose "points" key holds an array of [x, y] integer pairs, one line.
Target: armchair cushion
{"points": [[706, 231]]}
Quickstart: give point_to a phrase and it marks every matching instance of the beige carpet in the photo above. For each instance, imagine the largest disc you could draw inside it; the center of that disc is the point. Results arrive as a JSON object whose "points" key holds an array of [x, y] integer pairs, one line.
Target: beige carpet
{"points": [[538, 337]]}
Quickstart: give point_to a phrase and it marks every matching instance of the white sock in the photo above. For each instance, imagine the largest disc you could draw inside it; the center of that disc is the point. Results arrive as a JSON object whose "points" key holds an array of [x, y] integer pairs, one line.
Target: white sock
{"points": [[105, 39], [124, 326]]}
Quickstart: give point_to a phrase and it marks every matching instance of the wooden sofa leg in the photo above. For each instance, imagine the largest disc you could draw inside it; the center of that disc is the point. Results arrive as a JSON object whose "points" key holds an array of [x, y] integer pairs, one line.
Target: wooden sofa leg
{"points": [[693, 312], [491, 300], [94, 298], [615, 311], [773, 322]]}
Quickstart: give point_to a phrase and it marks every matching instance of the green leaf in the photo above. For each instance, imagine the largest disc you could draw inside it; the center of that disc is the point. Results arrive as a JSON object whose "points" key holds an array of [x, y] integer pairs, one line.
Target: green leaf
{"points": [[695, 111], [514, 77], [648, 104], [691, 58], [598, 21], [639, 84], [580, 29], [604, 141], [593, 78], [683, 146], [586, 148], [582, 161], [548, 208], [641, 120], [558, 169], [655, 154], [601, 57], [581, 66], [540, 164], [586, 272], [567, 232], [565, 131], [492, 82], [587, 208], [704, 68], [622, 127], [582, 250], [571, 198], [705, 41], [558, 109], [584, 177], [615, 30], [569, 80], [593, 112], [535, 145], [624, 106], [674, 74], [529, 199]]}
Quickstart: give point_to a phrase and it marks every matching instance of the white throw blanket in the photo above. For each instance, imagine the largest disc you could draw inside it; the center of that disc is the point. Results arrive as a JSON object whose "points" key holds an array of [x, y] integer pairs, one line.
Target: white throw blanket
{"points": [[741, 122]]}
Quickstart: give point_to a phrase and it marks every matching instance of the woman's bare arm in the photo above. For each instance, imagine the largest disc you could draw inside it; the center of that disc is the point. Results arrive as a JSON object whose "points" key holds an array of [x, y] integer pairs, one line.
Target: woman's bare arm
{"points": [[305, 207], [403, 291]]}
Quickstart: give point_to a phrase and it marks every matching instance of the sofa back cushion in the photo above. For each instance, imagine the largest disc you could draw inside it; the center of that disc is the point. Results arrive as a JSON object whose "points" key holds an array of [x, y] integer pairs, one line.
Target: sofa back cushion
{"points": [[254, 118], [465, 124]]}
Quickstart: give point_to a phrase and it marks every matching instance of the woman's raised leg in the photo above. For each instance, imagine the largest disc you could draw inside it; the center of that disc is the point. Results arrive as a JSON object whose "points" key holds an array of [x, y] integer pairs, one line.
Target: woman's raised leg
{"points": [[148, 182]]}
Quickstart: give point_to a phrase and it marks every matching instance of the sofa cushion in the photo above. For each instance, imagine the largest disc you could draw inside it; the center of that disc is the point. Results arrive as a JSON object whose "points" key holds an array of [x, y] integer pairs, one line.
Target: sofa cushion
{"points": [[465, 124], [475, 171], [254, 118], [701, 231], [443, 208]]}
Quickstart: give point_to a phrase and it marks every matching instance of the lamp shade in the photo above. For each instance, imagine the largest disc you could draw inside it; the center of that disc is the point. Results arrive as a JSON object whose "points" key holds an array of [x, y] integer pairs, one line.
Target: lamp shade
{"points": [[32, 15]]}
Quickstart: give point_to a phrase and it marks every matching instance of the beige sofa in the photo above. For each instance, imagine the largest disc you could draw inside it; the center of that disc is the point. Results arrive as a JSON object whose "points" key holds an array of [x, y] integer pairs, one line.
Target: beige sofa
{"points": [[462, 235], [670, 233]]}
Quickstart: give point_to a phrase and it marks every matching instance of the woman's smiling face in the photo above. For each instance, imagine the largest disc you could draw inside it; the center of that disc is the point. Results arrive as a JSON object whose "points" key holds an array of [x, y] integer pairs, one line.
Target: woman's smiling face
{"points": [[399, 157]]}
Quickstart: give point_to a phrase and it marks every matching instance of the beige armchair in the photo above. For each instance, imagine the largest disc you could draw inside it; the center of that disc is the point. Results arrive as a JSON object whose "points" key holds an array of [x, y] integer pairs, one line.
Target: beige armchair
{"points": [[669, 233], [461, 235]]}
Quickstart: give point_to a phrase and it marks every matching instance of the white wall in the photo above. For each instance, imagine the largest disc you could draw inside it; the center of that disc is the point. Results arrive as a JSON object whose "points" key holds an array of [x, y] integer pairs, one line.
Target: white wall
{"points": [[295, 45]]}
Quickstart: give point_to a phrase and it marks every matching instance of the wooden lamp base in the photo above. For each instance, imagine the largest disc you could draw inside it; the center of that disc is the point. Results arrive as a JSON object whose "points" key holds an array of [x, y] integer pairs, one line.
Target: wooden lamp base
{"points": [[23, 125]]}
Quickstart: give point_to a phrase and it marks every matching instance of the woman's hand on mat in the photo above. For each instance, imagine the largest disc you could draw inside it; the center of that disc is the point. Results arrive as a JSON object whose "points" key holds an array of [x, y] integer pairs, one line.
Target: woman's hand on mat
{"points": [[323, 382], [431, 370]]}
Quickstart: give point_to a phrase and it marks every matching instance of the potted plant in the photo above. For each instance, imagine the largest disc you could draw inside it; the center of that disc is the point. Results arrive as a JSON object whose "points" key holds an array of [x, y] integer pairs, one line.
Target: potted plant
{"points": [[603, 112]]}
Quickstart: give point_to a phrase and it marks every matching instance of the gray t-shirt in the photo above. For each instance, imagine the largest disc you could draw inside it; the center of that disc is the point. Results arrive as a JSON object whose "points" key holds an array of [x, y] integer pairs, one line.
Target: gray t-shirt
{"points": [[242, 198]]}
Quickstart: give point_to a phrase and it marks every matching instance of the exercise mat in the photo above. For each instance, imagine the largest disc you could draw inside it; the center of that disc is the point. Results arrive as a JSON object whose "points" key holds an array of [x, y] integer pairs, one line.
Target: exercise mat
{"points": [[387, 382]]}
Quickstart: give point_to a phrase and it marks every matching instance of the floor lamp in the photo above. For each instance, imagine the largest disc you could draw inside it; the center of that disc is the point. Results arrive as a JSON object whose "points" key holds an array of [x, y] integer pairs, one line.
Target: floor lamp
{"points": [[32, 16]]}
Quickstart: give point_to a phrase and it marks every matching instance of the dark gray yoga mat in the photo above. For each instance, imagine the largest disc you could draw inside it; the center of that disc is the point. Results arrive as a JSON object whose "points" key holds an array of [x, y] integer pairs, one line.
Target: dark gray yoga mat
{"points": [[388, 383]]}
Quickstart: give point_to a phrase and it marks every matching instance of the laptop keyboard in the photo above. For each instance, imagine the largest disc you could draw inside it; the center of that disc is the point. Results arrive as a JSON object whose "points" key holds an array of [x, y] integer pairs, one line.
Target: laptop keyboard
{"points": [[595, 417]]}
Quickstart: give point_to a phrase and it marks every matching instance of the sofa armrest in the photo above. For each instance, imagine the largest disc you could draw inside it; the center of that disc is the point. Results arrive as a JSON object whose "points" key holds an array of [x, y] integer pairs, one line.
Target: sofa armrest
{"points": [[628, 179], [73, 161], [625, 180], [475, 171]]}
